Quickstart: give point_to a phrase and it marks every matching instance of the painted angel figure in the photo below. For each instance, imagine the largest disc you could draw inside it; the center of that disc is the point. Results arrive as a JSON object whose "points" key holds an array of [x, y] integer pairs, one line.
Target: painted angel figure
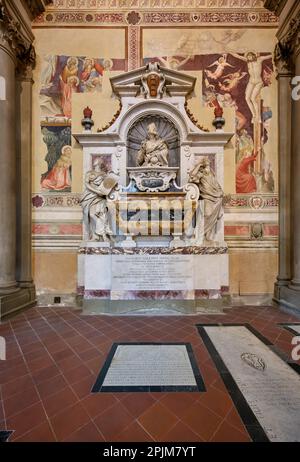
{"points": [[221, 63], [171, 62], [231, 81]]}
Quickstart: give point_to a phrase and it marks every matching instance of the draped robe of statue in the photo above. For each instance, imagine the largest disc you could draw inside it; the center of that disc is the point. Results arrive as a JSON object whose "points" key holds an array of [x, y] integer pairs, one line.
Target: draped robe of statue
{"points": [[212, 194], [94, 205]]}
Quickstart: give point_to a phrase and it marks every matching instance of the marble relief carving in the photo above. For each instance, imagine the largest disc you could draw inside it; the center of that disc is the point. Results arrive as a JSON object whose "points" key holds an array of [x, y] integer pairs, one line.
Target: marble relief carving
{"points": [[191, 250]]}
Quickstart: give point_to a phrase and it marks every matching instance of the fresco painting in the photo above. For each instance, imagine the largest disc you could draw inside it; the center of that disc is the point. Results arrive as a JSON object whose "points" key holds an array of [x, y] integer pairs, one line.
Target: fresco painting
{"points": [[61, 76], [58, 158], [237, 80]]}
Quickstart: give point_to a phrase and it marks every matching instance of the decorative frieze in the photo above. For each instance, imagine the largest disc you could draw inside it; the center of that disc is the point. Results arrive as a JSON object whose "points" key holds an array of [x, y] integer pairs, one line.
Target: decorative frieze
{"points": [[55, 200], [155, 4], [156, 17], [235, 201]]}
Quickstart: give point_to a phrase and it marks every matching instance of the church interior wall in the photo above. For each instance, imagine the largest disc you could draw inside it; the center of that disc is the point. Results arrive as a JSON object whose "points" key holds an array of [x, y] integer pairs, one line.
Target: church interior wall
{"points": [[76, 58]]}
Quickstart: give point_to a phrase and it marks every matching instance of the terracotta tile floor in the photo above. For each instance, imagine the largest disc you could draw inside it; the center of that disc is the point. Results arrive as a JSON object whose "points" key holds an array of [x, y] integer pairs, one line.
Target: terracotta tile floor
{"points": [[54, 357]]}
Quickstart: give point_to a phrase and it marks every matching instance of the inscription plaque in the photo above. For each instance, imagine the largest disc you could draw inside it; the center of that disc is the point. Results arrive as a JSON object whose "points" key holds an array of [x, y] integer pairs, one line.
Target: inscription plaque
{"points": [[152, 272]]}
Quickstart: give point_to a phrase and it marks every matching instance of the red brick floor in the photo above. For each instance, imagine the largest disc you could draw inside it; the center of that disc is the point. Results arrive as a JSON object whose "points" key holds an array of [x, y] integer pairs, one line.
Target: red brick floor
{"points": [[54, 357]]}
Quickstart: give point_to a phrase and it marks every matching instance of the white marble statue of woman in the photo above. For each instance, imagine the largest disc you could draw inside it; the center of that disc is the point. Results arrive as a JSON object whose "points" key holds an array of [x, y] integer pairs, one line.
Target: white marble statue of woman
{"points": [[154, 150], [98, 185], [212, 194]]}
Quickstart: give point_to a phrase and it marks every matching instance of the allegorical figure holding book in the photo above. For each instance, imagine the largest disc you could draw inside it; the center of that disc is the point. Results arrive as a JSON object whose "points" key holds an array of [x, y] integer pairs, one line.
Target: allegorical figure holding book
{"points": [[99, 183]]}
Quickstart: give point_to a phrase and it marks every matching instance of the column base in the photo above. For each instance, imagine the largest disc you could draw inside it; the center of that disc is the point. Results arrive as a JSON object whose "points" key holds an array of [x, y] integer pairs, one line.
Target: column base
{"points": [[295, 285], [13, 303], [287, 296]]}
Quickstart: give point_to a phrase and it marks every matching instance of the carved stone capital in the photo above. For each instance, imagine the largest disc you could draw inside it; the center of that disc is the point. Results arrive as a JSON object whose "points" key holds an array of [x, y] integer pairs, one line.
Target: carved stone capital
{"points": [[36, 7], [12, 37], [25, 73], [287, 47], [276, 6]]}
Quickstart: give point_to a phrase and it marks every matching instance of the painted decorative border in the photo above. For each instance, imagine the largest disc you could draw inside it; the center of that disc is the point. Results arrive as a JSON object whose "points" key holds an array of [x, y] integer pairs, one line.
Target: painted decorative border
{"points": [[236, 201], [98, 386], [155, 4], [51, 200], [251, 231], [238, 231], [57, 229], [133, 47], [252, 201], [158, 14], [257, 202]]}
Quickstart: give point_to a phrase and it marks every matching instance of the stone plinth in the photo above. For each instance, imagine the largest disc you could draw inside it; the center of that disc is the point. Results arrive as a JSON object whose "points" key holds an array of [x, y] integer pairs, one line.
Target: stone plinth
{"points": [[153, 273]]}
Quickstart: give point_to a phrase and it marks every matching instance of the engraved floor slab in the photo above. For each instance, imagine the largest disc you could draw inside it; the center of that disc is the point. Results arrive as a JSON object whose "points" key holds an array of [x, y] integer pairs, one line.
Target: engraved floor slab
{"points": [[150, 367], [270, 387], [294, 327]]}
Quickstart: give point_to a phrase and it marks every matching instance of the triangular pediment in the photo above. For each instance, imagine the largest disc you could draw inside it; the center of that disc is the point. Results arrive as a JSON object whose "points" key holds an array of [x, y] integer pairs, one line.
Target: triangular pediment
{"points": [[153, 81]]}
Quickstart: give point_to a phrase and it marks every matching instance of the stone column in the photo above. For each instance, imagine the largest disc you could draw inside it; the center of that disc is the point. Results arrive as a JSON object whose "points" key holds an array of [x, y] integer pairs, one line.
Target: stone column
{"points": [[24, 176], [284, 76], [7, 171], [16, 55], [296, 188]]}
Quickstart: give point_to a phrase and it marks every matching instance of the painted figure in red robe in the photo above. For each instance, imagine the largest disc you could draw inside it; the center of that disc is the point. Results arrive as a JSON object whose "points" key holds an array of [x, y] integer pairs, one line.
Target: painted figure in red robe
{"points": [[245, 180], [59, 177]]}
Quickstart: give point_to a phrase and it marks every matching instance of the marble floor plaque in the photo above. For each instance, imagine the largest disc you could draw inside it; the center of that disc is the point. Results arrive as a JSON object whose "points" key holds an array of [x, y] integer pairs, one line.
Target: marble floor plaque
{"points": [[295, 328], [270, 387], [150, 367]]}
